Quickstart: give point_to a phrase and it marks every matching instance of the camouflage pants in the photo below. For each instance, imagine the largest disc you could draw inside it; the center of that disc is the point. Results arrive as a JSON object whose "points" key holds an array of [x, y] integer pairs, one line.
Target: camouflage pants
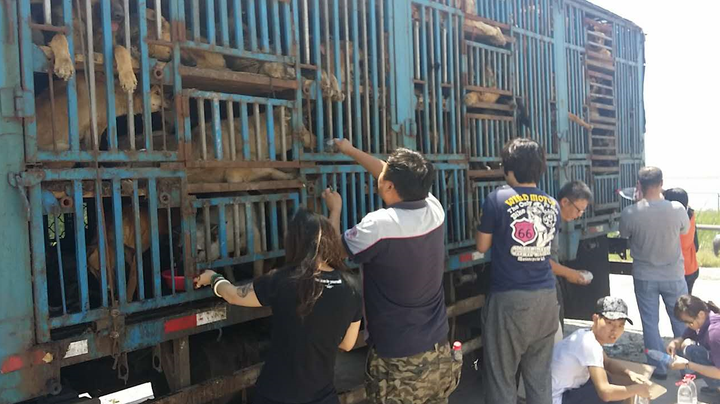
{"points": [[427, 377]]}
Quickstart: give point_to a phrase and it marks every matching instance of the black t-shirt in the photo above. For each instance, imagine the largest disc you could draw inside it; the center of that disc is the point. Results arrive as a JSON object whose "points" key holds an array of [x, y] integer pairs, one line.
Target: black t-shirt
{"points": [[300, 367]]}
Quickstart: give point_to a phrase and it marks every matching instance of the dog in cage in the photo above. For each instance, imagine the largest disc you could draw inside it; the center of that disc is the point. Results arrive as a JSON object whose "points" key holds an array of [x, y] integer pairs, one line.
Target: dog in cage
{"points": [[329, 84], [58, 49], [53, 127], [600, 41], [473, 98], [208, 245], [129, 247], [211, 60], [258, 145]]}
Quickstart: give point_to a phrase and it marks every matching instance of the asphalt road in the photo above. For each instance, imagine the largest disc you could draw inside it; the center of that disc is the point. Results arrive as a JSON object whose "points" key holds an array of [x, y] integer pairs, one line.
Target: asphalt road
{"points": [[629, 347]]}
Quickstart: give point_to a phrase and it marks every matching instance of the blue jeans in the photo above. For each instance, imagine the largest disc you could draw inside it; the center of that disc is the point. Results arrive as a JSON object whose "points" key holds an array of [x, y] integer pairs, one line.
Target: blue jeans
{"points": [[701, 356], [647, 294]]}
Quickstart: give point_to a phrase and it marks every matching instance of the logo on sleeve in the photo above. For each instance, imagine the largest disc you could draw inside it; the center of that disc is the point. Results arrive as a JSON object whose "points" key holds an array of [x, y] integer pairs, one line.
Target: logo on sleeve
{"points": [[351, 234]]}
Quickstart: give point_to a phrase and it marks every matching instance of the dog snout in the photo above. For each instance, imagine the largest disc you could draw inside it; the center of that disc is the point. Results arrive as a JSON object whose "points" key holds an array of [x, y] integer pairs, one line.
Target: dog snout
{"points": [[117, 12]]}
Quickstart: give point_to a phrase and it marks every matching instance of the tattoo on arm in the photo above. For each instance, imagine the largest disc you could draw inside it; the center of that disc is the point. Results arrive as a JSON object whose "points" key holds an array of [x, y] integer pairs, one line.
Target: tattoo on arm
{"points": [[244, 290]]}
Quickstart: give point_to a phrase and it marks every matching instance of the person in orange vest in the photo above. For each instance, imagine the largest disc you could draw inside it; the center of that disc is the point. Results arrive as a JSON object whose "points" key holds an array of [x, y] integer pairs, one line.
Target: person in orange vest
{"points": [[689, 241]]}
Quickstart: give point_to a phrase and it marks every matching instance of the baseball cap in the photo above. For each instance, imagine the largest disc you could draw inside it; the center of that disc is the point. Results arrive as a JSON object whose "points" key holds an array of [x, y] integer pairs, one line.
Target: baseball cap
{"points": [[612, 308]]}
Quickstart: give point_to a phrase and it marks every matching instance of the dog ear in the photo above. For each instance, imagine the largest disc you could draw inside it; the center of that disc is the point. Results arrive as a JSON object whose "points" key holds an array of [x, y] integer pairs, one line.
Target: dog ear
{"points": [[150, 14]]}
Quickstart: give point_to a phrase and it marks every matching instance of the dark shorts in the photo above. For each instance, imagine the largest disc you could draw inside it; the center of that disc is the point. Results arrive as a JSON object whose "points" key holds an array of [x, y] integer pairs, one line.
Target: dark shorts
{"points": [[331, 398]]}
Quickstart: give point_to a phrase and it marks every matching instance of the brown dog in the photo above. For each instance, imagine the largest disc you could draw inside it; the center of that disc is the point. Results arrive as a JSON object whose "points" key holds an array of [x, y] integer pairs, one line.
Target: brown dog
{"points": [[57, 123], [234, 174], [128, 233], [59, 50]]}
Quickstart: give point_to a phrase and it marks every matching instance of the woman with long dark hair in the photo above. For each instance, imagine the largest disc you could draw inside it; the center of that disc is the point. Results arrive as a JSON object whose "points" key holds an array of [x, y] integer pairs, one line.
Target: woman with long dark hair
{"points": [[316, 309], [699, 347], [689, 240]]}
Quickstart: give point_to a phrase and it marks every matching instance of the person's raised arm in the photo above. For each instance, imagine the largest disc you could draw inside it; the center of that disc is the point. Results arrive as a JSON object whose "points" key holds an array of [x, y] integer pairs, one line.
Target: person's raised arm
{"points": [[243, 295], [334, 202], [374, 165]]}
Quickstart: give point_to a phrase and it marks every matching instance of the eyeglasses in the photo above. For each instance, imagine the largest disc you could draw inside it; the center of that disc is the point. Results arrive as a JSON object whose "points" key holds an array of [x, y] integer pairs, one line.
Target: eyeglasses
{"points": [[580, 211]]}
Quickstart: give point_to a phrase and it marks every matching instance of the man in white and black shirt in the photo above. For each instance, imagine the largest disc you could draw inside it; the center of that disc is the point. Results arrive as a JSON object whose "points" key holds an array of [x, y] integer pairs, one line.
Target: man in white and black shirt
{"points": [[401, 250]]}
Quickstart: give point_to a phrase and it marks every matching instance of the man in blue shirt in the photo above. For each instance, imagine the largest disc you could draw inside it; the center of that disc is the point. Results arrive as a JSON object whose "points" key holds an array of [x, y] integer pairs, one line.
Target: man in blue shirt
{"points": [[518, 224]]}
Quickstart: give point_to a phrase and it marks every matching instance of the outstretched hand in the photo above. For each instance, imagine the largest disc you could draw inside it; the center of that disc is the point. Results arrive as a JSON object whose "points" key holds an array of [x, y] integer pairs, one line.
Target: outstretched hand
{"points": [[204, 279], [343, 145], [577, 278], [333, 200]]}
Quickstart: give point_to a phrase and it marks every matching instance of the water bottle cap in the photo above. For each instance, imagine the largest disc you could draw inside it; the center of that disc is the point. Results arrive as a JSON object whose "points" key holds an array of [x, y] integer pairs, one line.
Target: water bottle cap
{"points": [[457, 345], [689, 377]]}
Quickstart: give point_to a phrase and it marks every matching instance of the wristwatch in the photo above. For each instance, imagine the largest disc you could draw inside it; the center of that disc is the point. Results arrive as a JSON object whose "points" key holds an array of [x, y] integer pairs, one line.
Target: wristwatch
{"points": [[687, 366]]}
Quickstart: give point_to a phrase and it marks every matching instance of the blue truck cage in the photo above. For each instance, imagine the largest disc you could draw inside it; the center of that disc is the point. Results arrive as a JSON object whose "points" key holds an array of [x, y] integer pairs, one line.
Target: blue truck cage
{"points": [[144, 141]]}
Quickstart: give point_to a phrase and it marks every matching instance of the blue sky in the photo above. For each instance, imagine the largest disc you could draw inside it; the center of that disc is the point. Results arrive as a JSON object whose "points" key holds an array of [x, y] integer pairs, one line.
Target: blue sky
{"points": [[682, 89]]}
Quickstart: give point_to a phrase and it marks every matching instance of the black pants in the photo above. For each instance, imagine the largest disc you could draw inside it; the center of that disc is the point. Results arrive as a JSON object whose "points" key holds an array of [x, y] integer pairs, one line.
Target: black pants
{"points": [[585, 394], [690, 280]]}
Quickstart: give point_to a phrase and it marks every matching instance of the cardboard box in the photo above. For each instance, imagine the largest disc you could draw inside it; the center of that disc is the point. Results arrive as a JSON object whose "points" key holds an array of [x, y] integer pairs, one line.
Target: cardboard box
{"points": [[656, 390]]}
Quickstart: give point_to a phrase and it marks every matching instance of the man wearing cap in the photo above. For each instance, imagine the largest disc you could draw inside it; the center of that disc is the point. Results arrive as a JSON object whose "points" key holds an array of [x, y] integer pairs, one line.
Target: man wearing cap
{"points": [[580, 367]]}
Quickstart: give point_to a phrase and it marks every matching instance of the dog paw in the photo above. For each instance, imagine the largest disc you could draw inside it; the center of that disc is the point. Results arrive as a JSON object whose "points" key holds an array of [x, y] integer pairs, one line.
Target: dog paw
{"points": [[128, 81], [64, 68]]}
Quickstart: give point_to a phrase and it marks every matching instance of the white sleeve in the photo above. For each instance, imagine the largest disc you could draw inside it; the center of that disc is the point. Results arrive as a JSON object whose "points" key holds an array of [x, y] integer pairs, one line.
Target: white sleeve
{"points": [[435, 205], [360, 240], [591, 353]]}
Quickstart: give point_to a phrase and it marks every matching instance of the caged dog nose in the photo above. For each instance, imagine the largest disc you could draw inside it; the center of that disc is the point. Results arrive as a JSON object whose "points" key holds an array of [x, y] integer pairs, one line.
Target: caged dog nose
{"points": [[117, 12]]}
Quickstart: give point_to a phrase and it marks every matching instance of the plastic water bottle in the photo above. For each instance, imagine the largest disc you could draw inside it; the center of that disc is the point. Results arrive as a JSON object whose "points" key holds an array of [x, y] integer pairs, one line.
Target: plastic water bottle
{"points": [[457, 351], [641, 400], [689, 379], [687, 391], [661, 357]]}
